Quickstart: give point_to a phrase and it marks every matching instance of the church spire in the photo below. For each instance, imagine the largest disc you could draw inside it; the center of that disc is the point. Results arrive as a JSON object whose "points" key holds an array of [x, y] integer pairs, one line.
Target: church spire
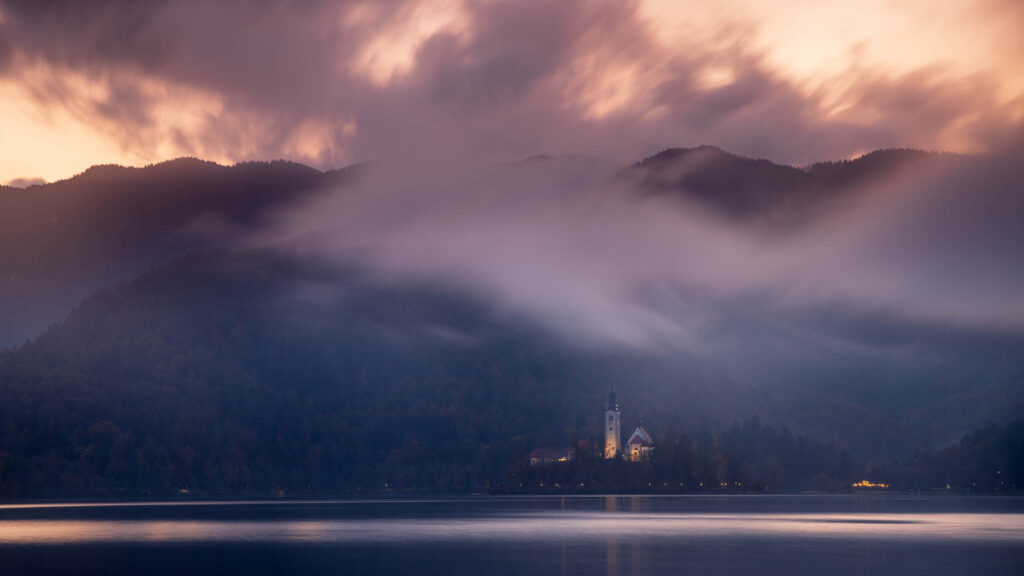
{"points": [[613, 423]]}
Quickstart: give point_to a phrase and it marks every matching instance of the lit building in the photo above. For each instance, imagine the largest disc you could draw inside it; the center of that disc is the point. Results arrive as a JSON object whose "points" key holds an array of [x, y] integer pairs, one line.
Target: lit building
{"points": [[640, 445], [550, 455], [612, 424]]}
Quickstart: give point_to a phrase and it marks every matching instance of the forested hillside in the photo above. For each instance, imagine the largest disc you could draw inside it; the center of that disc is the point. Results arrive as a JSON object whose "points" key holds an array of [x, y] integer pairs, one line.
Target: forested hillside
{"points": [[239, 374], [200, 377]]}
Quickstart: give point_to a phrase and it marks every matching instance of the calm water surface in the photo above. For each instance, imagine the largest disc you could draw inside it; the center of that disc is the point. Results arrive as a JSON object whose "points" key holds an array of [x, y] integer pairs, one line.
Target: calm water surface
{"points": [[534, 535]]}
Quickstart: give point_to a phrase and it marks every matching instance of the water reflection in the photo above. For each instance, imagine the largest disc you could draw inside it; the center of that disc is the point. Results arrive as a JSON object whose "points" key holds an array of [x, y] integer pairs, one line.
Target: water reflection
{"points": [[613, 527], [615, 535], [611, 506]]}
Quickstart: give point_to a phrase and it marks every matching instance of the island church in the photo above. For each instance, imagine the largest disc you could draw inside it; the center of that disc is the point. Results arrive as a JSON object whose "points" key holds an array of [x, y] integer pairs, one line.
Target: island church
{"points": [[638, 447]]}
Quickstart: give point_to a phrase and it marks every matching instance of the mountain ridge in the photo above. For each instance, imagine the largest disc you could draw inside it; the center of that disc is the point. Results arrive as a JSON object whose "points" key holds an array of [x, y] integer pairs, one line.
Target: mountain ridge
{"points": [[747, 188], [62, 240], [111, 222]]}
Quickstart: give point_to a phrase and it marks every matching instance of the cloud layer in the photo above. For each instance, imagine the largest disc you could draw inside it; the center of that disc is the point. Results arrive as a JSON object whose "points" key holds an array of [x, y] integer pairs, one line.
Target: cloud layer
{"points": [[330, 83], [568, 244]]}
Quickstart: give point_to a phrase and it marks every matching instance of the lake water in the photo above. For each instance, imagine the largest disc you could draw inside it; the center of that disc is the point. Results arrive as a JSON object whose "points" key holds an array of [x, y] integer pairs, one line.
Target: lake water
{"points": [[856, 534]]}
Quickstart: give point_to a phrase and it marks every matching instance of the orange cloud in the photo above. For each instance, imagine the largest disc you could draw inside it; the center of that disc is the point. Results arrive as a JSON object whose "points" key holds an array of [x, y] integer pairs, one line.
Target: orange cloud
{"points": [[336, 83]]}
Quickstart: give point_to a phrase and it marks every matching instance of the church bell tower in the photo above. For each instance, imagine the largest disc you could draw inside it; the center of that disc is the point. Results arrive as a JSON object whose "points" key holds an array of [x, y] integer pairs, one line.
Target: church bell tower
{"points": [[612, 423]]}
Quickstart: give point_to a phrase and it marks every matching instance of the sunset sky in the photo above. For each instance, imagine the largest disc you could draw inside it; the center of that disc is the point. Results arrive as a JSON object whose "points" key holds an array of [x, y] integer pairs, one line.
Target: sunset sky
{"points": [[331, 83]]}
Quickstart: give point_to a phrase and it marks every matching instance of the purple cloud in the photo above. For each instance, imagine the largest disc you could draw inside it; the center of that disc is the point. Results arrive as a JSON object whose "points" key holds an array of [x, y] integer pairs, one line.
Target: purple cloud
{"points": [[500, 80]]}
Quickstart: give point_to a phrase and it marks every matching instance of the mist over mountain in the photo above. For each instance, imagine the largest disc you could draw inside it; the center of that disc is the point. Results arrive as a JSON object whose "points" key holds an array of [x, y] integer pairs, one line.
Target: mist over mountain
{"points": [[454, 314], [221, 374], [570, 243], [63, 240]]}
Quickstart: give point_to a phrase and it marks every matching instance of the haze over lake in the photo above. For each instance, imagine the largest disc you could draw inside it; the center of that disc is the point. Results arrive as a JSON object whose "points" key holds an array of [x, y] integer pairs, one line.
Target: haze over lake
{"points": [[633, 535]]}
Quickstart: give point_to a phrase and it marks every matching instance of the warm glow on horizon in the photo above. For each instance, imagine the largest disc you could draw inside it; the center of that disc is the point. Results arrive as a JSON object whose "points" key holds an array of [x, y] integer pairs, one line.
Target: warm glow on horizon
{"points": [[51, 144], [508, 80], [867, 484]]}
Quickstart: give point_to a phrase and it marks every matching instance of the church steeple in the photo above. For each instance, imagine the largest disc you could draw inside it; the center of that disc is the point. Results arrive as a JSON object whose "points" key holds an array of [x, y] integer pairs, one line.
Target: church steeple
{"points": [[612, 425]]}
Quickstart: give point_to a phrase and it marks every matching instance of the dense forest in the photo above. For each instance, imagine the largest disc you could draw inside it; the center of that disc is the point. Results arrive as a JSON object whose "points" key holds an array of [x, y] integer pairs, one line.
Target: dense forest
{"points": [[223, 374], [747, 457], [196, 377], [987, 460]]}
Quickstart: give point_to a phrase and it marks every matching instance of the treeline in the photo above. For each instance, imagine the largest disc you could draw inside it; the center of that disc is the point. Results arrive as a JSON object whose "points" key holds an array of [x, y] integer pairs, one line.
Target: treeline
{"points": [[214, 375], [753, 457], [749, 456], [986, 460]]}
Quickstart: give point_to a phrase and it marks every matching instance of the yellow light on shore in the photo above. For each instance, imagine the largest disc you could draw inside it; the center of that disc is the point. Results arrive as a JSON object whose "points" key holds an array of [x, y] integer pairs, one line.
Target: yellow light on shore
{"points": [[867, 484]]}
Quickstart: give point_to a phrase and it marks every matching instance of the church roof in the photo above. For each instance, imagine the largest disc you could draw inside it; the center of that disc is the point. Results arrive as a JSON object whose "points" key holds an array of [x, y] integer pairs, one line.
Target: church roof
{"points": [[640, 437]]}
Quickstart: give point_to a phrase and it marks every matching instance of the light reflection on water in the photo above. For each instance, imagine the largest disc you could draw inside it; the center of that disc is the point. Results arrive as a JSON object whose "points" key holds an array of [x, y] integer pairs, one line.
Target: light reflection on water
{"points": [[508, 536], [525, 527]]}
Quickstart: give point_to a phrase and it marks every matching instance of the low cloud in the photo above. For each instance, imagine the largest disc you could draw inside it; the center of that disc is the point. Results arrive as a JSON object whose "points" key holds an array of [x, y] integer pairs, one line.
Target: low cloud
{"points": [[567, 245]]}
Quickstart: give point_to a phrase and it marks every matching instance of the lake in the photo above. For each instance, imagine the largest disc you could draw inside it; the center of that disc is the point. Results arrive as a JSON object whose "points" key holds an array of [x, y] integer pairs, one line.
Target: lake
{"points": [[850, 534]]}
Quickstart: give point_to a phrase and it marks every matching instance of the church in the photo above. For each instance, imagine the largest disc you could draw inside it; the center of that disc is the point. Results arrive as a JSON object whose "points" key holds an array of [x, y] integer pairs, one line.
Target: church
{"points": [[638, 447]]}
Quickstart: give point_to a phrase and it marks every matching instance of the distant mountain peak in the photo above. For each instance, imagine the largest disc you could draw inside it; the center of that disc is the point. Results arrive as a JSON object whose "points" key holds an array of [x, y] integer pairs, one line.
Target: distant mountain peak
{"points": [[744, 187], [672, 154], [187, 165]]}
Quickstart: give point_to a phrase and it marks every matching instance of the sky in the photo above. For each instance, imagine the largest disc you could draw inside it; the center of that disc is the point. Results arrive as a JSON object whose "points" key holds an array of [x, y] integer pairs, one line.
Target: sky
{"points": [[333, 83]]}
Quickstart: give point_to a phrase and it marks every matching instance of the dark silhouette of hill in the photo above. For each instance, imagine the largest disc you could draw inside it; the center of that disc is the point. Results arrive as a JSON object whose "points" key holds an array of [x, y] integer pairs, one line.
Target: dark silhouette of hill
{"points": [[872, 166], [739, 186], [61, 241], [749, 188]]}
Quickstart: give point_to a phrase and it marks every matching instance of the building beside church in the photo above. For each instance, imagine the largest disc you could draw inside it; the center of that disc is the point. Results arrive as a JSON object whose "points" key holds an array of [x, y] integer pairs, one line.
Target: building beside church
{"points": [[638, 447], [551, 455]]}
